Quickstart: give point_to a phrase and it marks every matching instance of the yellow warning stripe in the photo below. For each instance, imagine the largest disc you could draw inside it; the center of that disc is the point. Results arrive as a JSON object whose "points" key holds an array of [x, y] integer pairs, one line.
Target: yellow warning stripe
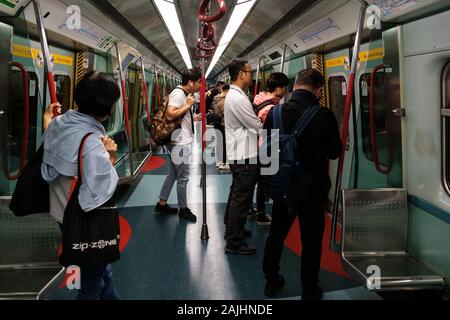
{"points": [[375, 54], [32, 53], [337, 62]]}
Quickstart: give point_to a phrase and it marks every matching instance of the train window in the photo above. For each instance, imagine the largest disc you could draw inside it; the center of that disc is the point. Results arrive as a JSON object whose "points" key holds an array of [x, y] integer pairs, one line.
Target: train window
{"points": [[337, 87], [63, 91], [17, 117], [381, 128], [446, 129]]}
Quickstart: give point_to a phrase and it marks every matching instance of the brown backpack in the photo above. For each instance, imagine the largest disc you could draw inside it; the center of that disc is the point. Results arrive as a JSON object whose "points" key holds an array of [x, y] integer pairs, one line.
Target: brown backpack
{"points": [[161, 129]]}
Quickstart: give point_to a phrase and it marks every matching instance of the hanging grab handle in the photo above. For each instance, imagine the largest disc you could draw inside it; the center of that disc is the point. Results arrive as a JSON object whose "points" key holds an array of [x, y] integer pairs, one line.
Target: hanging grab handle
{"points": [[373, 135], [202, 12], [26, 124]]}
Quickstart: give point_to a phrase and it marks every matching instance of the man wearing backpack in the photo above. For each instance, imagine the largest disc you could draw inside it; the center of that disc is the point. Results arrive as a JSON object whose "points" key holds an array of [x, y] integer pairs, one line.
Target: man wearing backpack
{"points": [[181, 102], [264, 102], [316, 143]]}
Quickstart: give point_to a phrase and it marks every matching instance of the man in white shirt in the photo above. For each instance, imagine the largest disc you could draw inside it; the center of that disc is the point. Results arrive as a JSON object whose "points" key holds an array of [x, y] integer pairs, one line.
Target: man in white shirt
{"points": [[242, 127], [181, 102]]}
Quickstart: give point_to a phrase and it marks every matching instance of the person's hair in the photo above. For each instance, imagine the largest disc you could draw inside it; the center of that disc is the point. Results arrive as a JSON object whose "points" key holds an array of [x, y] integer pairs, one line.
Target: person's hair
{"points": [[190, 75], [310, 77], [236, 66], [220, 83], [96, 94], [277, 80], [226, 87]]}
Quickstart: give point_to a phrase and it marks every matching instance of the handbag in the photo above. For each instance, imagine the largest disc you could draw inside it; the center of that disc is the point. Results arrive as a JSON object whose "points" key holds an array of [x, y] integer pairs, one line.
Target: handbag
{"points": [[89, 238], [31, 194]]}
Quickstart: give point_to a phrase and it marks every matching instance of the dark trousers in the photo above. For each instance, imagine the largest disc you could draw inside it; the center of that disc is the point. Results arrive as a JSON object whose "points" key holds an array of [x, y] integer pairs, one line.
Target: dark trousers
{"points": [[311, 216], [239, 200], [223, 156], [261, 196]]}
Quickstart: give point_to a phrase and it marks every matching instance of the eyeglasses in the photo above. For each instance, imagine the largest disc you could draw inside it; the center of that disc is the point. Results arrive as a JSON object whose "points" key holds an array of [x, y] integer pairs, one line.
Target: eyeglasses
{"points": [[247, 71]]}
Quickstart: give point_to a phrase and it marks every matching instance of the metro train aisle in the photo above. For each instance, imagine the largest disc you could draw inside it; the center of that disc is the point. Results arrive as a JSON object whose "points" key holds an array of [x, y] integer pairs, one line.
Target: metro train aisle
{"points": [[164, 258]]}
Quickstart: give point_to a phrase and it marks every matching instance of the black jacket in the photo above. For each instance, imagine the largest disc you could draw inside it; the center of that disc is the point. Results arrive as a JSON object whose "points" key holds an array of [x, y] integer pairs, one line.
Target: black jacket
{"points": [[319, 143]]}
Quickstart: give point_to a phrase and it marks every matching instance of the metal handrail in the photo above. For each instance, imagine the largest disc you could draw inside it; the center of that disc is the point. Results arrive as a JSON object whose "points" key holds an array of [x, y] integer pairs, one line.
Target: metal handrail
{"points": [[26, 124], [373, 138]]}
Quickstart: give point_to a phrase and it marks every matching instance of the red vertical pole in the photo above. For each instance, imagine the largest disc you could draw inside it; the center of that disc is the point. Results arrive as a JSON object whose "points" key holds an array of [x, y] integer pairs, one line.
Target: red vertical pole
{"points": [[203, 111]]}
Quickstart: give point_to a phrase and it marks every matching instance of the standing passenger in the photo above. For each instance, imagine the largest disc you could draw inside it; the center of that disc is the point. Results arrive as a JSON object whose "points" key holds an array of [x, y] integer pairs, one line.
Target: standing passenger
{"points": [[180, 105], [319, 143], [96, 96], [264, 102], [242, 127], [219, 110]]}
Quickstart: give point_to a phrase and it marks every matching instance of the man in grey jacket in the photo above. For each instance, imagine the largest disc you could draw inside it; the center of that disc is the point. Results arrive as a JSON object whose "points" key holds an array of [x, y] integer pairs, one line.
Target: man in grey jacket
{"points": [[242, 127]]}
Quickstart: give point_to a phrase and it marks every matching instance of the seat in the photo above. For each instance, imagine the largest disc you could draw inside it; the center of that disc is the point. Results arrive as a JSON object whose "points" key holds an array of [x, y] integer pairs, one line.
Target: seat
{"points": [[28, 256], [374, 247]]}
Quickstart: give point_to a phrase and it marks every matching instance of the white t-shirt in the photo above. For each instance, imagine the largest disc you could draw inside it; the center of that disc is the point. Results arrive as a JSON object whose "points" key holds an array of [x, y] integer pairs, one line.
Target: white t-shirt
{"points": [[177, 99]]}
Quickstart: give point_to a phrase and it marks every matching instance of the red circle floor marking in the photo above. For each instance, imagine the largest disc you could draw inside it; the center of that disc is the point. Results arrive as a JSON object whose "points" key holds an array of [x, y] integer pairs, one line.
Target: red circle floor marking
{"points": [[155, 162], [125, 236], [331, 261]]}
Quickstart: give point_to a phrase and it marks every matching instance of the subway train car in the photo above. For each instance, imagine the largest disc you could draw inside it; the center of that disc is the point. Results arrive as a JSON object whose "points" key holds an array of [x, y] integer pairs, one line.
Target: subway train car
{"points": [[386, 65]]}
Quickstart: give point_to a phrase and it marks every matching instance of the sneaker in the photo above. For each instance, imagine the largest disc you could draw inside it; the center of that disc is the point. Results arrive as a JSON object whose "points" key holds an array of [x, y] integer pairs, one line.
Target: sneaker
{"points": [[252, 213], [263, 219], [224, 167], [219, 164], [186, 213], [274, 285], [315, 294], [243, 250], [165, 209]]}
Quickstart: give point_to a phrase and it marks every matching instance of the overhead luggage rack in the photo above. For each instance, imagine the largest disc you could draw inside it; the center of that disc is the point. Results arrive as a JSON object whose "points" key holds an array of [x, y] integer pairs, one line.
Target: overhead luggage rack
{"points": [[374, 246]]}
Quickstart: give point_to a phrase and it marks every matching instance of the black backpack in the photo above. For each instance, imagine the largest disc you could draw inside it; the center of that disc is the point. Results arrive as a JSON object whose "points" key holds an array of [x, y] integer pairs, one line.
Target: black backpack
{"points": [[291, 184]]}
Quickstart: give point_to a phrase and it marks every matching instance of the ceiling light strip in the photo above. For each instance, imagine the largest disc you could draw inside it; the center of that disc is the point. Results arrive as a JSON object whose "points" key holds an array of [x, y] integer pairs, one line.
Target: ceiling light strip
{"points": [[168, 11], [240, 13]]}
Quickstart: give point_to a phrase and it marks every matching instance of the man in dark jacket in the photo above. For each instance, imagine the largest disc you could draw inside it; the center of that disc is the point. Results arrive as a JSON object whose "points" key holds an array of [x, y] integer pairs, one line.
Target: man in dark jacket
{"points": [[319, 143]]}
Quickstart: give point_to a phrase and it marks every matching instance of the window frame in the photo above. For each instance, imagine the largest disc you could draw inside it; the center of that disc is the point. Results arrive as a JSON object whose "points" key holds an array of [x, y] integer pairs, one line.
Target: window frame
{"points": [[445, 129]]}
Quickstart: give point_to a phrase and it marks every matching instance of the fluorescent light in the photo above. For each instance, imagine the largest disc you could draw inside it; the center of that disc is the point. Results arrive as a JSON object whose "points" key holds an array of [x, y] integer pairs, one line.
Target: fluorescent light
{"points": [[240, 12], [168, 11]]}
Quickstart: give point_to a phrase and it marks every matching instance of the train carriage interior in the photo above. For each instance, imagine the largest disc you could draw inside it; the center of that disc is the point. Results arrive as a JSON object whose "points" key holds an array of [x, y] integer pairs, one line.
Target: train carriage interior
{"points": [[386, 69]]}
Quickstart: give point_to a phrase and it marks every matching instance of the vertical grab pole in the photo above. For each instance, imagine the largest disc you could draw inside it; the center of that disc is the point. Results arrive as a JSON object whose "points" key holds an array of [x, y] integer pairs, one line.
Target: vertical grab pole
{"points": [[257, 76], [125, 107], [46, 55], [334, 246], [205, 233], [283, 58], [145, 91]]}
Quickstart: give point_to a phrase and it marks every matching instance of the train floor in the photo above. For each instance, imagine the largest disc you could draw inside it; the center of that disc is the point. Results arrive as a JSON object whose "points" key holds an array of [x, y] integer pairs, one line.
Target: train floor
{"points": [[164, 258]]}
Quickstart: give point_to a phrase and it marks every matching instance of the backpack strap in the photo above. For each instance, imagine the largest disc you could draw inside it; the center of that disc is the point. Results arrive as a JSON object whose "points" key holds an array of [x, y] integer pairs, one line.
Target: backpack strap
{"points": [[278, 119], [304, 120], [190, 110], [77, 180], [259, 107]]}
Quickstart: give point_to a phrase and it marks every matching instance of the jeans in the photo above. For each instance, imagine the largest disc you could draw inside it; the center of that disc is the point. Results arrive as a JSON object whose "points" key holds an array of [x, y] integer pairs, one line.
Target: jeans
{"points": [[179, 172], [97, 283], [240, 199], [311, 216]]}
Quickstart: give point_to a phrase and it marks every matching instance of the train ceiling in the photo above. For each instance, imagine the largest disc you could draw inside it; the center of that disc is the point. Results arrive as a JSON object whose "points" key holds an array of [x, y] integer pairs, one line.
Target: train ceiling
{"points": [[144, 16]]}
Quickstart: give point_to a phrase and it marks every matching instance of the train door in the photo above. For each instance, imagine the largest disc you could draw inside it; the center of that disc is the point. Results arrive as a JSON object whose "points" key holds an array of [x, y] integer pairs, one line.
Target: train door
{"points": [[292, 68], [378, 156], [337, 70]]}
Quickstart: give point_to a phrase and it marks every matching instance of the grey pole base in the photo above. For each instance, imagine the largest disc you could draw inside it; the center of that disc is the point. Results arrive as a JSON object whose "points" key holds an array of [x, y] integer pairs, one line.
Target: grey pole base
{"points": [[205, 233]]}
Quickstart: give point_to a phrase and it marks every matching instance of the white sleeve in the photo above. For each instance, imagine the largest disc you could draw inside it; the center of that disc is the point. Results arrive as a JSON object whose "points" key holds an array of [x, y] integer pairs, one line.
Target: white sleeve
{"points": [[177, 99]]}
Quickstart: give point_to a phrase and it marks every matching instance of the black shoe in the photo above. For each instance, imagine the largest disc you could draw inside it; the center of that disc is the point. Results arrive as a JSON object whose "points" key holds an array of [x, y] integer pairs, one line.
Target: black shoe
{"points": [[247, 234], [165, 209], [243, 250], [186, 213], [252, 213], [274, 285], [315, 294], [263, 219]]}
